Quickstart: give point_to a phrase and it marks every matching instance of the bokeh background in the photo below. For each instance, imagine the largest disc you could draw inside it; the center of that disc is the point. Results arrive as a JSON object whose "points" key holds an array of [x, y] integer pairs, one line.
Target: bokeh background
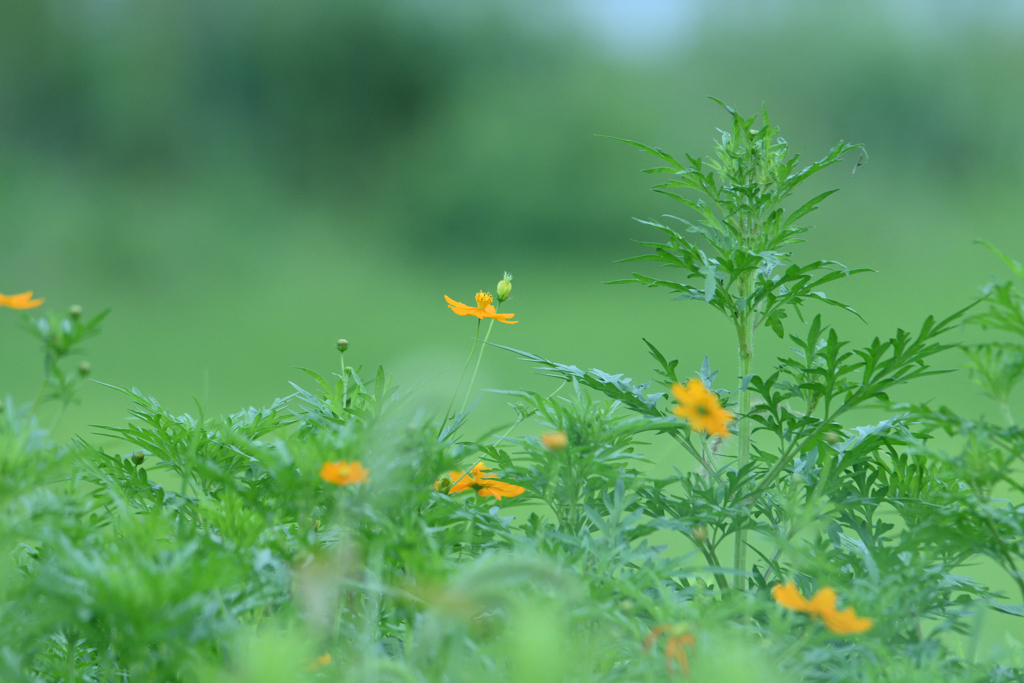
{"points": [[243, 182]]}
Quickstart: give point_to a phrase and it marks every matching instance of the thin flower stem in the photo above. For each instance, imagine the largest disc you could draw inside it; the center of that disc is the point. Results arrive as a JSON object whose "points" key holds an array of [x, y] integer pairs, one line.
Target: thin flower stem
{"points": [[344, 383], [712, 559], [448, 412], [1007, 414], [697, 455], [39, 396], [745, 330], [472, 378]]}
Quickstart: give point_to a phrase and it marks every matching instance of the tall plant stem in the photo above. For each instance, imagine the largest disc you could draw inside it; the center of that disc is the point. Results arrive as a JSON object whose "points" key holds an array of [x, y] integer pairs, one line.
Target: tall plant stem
{"points": [[448, 412], [1007, 413], [472, 377], [745, 332]]}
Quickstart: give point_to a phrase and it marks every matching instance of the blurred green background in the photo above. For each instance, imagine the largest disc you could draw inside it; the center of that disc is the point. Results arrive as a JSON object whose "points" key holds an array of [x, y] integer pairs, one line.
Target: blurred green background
{"points": [[245, 182]]}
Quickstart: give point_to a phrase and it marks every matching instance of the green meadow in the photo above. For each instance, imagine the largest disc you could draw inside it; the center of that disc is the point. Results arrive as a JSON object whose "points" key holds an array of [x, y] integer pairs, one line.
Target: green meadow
{"points": [[244, 184]]}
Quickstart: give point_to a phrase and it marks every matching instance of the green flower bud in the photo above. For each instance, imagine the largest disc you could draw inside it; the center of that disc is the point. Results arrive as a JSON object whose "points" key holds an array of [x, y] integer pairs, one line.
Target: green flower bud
{"points": [[504, 288], [343, 345], [84, 368], [138, 457], [75, 312]]}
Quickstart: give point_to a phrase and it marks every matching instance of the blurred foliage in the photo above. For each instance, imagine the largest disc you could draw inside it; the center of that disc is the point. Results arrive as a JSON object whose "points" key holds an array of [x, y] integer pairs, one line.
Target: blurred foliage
{"points": [[265, 176], [215, 549], [443, 122]]}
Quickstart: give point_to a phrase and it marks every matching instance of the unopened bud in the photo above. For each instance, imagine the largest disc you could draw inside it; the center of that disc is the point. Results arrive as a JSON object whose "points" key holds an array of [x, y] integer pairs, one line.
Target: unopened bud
{"points": [[504, 288], [444, 484], [84, 368], [699, 534], [343, 345], [75, 312], [831, 437], [555, 441], [138, 457]]}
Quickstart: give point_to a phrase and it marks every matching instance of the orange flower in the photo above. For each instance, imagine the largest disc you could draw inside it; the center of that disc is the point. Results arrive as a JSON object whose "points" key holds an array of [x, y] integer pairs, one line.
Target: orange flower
{"points": [[675, 646], [19, 301], [555, 441], [481, 483], [701, 408], [483, 309], [320, 662], [822, 606], [343, 473]]}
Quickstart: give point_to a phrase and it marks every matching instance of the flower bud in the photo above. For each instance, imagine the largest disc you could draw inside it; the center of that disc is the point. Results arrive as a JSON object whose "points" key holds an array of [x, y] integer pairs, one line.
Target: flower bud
{"points": [[444, 484], [555, 441], [343, 345], [75, 312], [84, 368], [504, 288], [138, 457]]}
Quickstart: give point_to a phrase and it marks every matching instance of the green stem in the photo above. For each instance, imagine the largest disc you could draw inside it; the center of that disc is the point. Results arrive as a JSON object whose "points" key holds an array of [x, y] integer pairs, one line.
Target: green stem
{"points": [[1007, 414], [712, 559], [448, 412], [745, 331], [472, 379], [39, 396]]}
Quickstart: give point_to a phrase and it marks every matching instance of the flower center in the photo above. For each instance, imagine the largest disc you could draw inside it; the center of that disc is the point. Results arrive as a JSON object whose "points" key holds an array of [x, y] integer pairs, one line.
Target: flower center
{"points": [[483, 300]]}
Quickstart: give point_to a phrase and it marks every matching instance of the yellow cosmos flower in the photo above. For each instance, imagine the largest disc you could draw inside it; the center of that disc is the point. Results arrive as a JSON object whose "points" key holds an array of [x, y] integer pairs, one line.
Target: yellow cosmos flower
{"points": [[822, 606], [319, 662], [19, 301], [675, 646], [555, 441], [343, 473], [701, 408], [483, 484], [484, 309]]}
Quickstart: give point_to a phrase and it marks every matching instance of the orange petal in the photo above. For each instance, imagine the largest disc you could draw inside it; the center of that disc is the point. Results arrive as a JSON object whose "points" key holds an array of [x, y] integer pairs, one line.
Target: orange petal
{"points": [[342, 473], [20, 301], [846, 622], [823, 603], [357, 473], [789, 596], [461, 308], [653, 635], [555, 441], [461, 484], [490, 312], [331, 473], [499, 489]]}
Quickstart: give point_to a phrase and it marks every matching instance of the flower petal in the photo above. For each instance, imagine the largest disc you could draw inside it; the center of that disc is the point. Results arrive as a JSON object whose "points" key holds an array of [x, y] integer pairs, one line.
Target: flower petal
{"points": [[461, 482], [823, 603], [846, 622], [20, 301], [790, 597], [499, 488]]}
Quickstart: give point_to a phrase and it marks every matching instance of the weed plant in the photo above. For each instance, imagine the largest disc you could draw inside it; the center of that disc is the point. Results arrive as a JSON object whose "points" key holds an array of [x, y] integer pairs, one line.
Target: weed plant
{"points": [[345, 533]]}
